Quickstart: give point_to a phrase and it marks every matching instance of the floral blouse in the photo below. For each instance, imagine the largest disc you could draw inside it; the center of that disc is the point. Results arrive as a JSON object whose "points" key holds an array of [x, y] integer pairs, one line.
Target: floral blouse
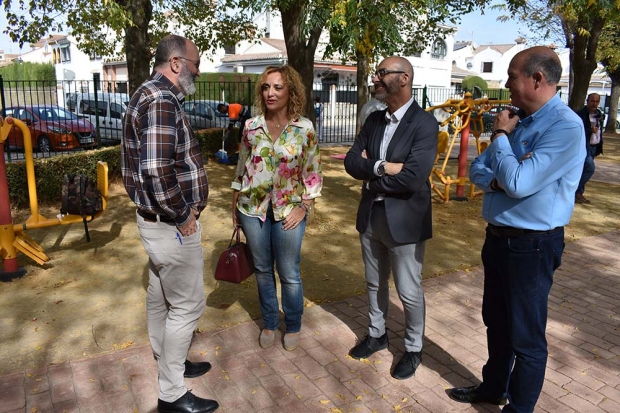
{"points": [[283, 172]]}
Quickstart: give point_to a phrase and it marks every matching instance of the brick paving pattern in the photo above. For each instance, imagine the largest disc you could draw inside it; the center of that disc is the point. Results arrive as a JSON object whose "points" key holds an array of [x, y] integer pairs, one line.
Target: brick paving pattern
{"points": [[583, 372]]}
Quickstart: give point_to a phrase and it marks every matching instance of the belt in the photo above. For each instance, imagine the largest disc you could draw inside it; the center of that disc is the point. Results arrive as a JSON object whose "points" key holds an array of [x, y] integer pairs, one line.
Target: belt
{"points": [[511, 232], [153, 217]]}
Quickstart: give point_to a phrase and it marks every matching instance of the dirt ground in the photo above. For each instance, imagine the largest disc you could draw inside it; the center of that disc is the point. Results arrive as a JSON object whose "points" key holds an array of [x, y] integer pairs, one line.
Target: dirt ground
{"points": [[89, 298]]}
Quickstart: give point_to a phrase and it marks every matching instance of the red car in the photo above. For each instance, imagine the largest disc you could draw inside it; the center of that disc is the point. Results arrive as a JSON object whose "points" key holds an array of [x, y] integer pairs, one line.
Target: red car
{"points": [[52, 128]]}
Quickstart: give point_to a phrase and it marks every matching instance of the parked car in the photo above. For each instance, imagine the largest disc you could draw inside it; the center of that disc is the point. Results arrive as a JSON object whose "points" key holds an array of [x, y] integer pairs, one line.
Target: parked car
{"points": [[111, 108], [52, 128], [203, 114]]}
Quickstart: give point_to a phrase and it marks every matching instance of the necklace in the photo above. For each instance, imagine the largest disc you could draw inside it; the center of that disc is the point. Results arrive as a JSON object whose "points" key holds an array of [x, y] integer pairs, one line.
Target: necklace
{"points": [[277, 125]]}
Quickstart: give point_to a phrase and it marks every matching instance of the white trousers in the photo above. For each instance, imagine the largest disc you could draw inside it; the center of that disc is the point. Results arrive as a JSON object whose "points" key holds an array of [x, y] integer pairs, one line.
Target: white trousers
{"points": [[175, 299]]}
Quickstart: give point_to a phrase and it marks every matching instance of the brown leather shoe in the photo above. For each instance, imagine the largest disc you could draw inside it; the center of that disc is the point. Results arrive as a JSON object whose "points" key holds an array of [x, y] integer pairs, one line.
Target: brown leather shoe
{"points": [[580, 199]]}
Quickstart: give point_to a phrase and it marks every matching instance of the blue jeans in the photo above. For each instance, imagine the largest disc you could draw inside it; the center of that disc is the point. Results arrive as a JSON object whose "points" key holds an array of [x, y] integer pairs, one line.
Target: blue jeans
{"points": [[588, 169], [518, 274], [268, 242]]}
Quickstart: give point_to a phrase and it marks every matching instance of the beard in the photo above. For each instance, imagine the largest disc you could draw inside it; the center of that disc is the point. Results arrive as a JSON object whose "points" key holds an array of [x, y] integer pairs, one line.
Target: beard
{"points": [[186, 81], [388, 89]]}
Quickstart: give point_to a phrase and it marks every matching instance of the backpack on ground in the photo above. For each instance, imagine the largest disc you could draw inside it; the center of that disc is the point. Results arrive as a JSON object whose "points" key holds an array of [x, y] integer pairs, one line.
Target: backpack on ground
{"points": [[80, 196]]}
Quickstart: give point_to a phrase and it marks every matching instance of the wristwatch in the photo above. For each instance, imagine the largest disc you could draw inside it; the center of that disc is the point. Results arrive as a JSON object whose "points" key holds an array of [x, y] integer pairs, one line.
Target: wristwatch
{"points": [[381, 168]]}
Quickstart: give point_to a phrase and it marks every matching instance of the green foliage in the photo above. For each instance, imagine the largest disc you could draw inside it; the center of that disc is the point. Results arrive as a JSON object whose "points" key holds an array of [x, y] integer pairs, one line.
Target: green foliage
{"points": [[50, 171], [577, 24], [470, 81], [608, 52], [387, 27], [128, 29], [211, 141], [29, 71]]}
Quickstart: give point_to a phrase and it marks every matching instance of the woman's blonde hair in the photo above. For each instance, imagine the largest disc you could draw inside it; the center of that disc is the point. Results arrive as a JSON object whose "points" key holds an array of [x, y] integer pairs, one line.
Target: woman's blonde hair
{"points": [[296, 90]]}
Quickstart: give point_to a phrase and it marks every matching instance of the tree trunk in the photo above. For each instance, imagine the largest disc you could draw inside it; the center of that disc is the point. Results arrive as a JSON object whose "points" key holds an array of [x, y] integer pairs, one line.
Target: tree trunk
{"points": [[613, 104], [138, 42], [584, 61], [299, 50], [362, 80]]}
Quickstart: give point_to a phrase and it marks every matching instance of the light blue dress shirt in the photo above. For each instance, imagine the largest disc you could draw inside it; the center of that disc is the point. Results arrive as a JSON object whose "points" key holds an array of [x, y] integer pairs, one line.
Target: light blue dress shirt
{"points": [[539, 192]]}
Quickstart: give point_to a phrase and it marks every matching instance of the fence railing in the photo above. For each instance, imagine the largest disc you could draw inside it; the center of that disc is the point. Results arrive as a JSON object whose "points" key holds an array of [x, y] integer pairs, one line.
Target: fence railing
{"points": [[103, 103]]}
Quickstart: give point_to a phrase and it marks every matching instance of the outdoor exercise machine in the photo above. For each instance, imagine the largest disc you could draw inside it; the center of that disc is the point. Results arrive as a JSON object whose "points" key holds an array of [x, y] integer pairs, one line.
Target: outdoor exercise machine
{"points": [[13, 238], [462, 117]]}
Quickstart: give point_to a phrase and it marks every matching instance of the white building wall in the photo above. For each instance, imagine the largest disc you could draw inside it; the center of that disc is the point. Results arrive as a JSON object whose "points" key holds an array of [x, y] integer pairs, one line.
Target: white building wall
{"points": [[432, 72], [39, 55]]}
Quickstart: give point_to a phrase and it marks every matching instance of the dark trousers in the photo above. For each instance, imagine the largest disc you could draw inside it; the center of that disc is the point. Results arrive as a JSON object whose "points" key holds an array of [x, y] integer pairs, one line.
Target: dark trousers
{"points": [[518, 275]]}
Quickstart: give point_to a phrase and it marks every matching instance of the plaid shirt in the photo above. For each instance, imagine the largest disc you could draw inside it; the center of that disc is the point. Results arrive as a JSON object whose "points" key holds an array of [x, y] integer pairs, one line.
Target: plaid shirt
{"points": [[161, 161]]}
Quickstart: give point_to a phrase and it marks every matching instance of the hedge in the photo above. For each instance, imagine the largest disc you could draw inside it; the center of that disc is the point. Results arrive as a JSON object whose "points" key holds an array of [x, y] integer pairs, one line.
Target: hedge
{"points": [[50, 171]]}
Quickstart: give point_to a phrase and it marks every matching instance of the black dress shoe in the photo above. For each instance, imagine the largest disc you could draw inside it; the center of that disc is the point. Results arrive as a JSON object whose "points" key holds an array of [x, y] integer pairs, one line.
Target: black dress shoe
{"points": [[196, 369], [188, 403], [407, 365], [472, 394], [368, 346]]}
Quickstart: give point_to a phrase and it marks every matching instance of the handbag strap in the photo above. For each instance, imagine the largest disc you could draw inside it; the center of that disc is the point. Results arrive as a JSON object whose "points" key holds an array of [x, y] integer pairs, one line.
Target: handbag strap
{"points": [[235, 236]]}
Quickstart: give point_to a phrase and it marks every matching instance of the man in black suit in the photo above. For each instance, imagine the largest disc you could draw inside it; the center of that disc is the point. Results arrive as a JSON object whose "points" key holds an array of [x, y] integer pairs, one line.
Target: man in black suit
{"points": [[592, 119], [394, 154]]}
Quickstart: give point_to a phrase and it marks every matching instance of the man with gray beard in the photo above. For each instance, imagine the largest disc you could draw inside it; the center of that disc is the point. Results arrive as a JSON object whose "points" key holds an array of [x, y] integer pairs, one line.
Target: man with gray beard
{"points": [[164, 175]]}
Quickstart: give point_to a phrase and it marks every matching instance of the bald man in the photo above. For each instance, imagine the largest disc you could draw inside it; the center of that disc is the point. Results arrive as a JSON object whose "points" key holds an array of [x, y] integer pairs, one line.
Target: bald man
{"points": [[529, 174], [164, 175], [393, 154]]}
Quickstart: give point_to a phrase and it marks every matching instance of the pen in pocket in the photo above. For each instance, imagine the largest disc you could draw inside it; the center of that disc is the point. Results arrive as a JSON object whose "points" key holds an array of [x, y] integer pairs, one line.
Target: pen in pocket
{"points": [[180, 239]]}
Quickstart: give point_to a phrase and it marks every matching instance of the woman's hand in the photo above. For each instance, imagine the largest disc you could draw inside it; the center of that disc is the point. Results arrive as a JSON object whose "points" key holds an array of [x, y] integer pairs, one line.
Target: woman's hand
{"points": [[294, 218]]}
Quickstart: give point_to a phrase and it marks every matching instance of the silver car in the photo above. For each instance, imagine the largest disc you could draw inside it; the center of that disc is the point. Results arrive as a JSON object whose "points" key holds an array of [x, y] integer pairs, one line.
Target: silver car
{"points": [[203, 115]]}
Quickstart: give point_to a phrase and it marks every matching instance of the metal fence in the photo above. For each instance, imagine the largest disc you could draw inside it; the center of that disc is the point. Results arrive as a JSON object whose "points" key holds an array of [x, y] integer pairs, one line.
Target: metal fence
{"points": [[103, 103]]}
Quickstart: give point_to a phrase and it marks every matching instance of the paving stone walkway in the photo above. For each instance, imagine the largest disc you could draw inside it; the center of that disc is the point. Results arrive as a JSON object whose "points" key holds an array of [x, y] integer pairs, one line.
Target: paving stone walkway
{"points": [[583, 372]]}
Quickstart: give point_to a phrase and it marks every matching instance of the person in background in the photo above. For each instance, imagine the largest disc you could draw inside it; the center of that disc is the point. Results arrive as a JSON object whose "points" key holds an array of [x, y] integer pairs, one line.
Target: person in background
{"points": [[318, 114], [163, 174], [371, 106], [592, 119], [237, 113], [529, 174], [278, 177], [394, 154]]}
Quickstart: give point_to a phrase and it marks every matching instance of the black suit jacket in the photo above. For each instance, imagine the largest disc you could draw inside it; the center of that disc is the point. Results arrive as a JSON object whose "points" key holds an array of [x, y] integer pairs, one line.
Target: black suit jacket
{"points": [[585, 118], [408, 193]]}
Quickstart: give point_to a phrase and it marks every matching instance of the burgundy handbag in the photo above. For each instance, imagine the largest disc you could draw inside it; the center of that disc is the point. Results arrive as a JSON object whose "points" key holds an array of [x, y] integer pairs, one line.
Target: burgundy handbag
{"points": [[235, 263]]}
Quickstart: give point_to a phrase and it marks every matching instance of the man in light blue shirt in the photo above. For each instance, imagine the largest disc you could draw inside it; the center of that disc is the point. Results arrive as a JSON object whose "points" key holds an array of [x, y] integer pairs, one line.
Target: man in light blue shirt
{"points": [[529, 174]]}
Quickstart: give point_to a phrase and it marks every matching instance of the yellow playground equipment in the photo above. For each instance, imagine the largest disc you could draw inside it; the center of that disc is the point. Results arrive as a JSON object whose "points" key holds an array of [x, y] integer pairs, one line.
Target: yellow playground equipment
{"points": [[463, 116], [12, 236]]}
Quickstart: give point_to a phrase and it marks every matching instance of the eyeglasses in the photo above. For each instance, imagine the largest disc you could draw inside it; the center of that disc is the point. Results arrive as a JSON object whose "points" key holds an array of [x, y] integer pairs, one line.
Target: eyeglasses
{"points": [[196, 63], [381, 73]]}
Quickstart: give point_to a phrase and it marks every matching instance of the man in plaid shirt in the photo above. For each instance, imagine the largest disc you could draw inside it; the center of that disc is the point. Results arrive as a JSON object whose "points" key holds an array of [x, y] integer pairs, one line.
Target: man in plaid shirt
{"points": [[164, 175]]}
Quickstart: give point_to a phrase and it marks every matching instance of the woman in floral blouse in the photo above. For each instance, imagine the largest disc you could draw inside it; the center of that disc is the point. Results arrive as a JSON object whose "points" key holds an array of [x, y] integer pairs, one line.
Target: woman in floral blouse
{"points": [[277, 179]]}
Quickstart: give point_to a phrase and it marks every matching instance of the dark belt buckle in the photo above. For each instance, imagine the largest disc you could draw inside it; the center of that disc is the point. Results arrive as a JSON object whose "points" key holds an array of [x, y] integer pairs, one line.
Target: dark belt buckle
{"points": [[153, 217]]}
